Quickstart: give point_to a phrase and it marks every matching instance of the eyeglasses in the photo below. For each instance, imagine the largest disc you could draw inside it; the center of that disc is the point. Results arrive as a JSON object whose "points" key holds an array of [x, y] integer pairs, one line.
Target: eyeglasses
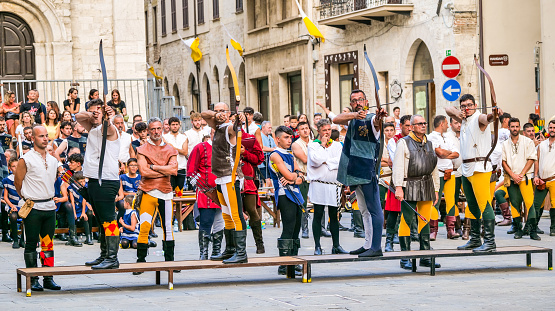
{"points": [[359, 100], [421, 123], [465, 106]]}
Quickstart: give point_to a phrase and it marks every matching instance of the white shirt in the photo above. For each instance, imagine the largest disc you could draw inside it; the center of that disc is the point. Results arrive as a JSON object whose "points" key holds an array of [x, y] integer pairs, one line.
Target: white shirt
{"points": [[194, 138], [475, 143], [401, 166], [391, 147], [321, 193], [439, 141], [125, 142], [516, 155], [177, 141], [39, 180], [110, 169], [546, 161], [252, 128], [452, 137]]}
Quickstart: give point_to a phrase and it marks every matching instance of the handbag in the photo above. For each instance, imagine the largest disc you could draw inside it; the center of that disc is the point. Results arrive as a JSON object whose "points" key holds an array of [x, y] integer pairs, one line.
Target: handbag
{"points": [[12, 116], [26, 208], [447, 174]]}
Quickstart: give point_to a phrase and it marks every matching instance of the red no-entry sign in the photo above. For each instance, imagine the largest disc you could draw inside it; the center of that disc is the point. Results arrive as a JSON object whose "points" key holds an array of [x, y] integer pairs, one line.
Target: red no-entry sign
{"points": [[451, 67]]}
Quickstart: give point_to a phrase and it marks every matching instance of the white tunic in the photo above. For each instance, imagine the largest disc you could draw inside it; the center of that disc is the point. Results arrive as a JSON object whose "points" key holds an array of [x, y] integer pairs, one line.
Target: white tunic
{"points": [[125, 142], [546, 161], [38, 183], [439, 141], [110, 169], [177, 141], [457, 163], [194, 138], [516, 155], [475, 143], [322, 193]]}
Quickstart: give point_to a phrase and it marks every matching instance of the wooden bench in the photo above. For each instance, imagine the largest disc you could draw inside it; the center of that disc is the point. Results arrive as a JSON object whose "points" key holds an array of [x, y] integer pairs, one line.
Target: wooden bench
{"points": [[79, 230], [432, 254], [169, 266]]}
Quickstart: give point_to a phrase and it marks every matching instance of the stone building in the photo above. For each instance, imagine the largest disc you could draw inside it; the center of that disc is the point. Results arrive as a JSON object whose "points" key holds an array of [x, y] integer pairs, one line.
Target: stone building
{"points": [[284, 70], [58, 40]]}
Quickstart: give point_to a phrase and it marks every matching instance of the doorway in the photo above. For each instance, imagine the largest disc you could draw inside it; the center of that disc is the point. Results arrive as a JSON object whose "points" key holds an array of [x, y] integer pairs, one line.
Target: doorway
{"points": [[423, 85]]}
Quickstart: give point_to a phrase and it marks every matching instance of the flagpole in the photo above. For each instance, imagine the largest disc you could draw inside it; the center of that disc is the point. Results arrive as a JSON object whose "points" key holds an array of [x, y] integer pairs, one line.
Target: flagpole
{"points": [[197, 64]]}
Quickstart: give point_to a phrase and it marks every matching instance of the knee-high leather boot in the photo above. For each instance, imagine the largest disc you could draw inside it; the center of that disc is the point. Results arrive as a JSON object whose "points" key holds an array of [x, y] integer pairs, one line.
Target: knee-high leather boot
{"points": [[88, 235], [203, 244], [534, 229], [404, 242], [216, 243], [450, 224], [425, 245], [287, 247], [517, 221], [506, 211], [434, 227], [358, 224], [102, 241], [31, 262], [475, 239], [256, 227], [466, 229], [72, 240], [229, 246], [240, 255], [111, 260], [47, 260], [142, 252], [552, 216], [304, 224], [489, 238], [169, 250]]}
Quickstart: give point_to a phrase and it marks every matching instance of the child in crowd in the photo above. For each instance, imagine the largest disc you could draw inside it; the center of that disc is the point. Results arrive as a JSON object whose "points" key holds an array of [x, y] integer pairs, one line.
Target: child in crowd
{"points": [[81, 211], [12, 204], [129, 224], [129, 183]]}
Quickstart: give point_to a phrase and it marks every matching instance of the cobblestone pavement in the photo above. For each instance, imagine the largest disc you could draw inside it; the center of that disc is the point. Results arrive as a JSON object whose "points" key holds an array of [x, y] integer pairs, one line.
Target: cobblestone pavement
{"points": [[483, 283]]}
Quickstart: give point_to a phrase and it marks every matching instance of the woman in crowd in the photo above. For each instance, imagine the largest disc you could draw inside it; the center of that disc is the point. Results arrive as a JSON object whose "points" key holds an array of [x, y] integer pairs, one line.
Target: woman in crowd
{"points": [[118, 105], [52, 125], [10, 109], [93, 94], [66, 116], [25, 120], [52, 105], [73, 102]]}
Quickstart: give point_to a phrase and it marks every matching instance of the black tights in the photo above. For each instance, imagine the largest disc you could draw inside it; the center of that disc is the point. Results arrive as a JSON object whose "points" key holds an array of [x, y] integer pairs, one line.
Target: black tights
{"points": [[66, 210], [13, 226], [291, 218], [317, 224], [39, 226], [392, 218]]}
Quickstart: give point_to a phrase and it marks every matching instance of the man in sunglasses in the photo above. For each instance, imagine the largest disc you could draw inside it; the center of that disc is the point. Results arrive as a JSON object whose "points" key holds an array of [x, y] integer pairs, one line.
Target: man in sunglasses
{"points": [[475, 145], [357, 168], [416, 180]]}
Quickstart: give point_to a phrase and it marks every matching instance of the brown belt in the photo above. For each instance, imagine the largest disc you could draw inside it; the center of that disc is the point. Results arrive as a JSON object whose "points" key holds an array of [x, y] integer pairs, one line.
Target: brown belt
{"points": [[386, 175], [549, 179], [479, 159], [248, 178], [417, 178]]}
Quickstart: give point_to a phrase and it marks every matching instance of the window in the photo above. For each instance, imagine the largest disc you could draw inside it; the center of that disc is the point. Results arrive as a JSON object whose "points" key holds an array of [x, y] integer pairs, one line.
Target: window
{"points": [[185, 13], [146, 27], [155, 22], [174, 16], [200, 11], [216, 8], [163, 14], [238, 5], [346, 80], [296, 93], [264, 98]]}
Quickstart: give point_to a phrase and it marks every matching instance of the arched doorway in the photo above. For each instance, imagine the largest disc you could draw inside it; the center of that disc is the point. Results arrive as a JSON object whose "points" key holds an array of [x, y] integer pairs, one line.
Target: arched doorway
{"points": [[17, 53], [424, 102], [176, 95]]}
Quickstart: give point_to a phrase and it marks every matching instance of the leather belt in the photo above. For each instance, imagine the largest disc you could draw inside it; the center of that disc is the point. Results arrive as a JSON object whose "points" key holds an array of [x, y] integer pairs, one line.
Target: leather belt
{"points": [[479, 159], [42, 201], [548, 179], [248, 178], [386, 175], [417, 178]]}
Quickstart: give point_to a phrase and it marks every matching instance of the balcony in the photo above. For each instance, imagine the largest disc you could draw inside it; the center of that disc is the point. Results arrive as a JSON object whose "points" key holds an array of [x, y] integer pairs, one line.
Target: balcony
{"points": [[339, 13]]}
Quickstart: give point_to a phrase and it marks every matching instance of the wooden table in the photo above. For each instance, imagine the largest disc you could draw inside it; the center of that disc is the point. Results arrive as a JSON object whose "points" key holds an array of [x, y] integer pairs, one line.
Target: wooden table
{"points": [[274, 212], [180, 212]]}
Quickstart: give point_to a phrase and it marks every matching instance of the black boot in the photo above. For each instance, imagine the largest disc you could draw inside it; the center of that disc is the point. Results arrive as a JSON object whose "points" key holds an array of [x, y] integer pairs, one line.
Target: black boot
{"points": [[295, 252], [318, 250], [404, 242], [142, 252], [169, 250], [358, 224], [256, 227], [284, 248], [111, 260], [217, 243], [414, 229], [475, 239], [304, 225], [6, 237], [513, 228], [14, 234], [102, 241], [517, 221], [489, 238], [47, 260], [31, 262], [388, 242], [425, 245], [534, 229], [203, 244], [88, 236], [229, 246], [552, 216], [240, 255], [338, 250], [72, 240], [539, 214], [63, 237]]}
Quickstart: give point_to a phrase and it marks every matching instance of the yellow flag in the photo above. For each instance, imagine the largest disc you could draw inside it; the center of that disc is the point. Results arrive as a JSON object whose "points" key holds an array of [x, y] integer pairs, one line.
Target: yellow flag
{"points": [[151, 70], [193, 43], [312, 30], [237, 46]]}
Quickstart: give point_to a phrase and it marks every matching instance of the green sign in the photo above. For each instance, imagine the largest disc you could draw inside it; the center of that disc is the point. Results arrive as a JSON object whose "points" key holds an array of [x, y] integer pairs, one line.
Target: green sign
{"points": [[447, 52]]}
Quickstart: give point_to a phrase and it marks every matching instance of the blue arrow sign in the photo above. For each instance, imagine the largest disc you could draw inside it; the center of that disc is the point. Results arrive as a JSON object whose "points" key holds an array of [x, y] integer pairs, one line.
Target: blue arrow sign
{"points": [[451, 90]]}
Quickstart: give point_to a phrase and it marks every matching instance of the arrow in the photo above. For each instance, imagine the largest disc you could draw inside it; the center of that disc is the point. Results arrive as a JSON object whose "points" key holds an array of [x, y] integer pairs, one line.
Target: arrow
{"points": [[450, 91]]}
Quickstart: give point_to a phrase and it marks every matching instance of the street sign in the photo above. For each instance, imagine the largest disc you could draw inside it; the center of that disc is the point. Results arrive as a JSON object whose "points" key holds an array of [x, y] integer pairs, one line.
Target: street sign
{"points": [[447, 52], [451, 67], [499, 60], [451, 90]]}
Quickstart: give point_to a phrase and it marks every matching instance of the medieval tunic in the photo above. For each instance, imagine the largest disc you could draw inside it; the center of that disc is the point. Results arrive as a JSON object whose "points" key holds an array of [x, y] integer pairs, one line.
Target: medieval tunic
{"points": [[414, 168], [547, 159], [516, 155], [223, 155], [475, 143], [157, 155], [322, 167]]}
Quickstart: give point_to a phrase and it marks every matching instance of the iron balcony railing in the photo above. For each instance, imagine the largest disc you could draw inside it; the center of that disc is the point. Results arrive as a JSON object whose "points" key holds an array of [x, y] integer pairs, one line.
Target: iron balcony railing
{"points": [[331, 8]]}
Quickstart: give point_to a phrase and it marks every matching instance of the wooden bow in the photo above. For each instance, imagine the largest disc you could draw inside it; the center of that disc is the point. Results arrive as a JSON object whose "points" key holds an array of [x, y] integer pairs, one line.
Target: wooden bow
{"points": [[494, 110], [105, 121], [238, 124], [378, 107]]}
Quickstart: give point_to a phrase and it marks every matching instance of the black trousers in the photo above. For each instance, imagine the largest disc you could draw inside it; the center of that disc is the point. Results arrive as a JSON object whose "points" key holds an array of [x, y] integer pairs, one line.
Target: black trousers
{"points": [[291, 215], [66, 211], [179, 180], [319, 213], [39, 227], [4, 220], [102, 199]]}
